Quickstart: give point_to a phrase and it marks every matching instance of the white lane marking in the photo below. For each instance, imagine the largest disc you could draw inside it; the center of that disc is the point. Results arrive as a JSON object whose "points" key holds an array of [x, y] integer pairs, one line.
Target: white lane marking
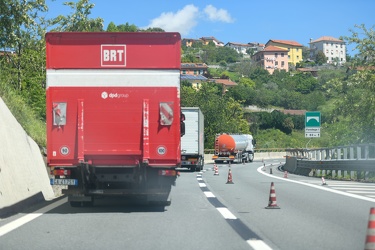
{"points": [[258, 244], [200, 179], [361, 192], [318, 187], [226, 213], [29, 217], [209, 194], [353, 188], [202, 184]]}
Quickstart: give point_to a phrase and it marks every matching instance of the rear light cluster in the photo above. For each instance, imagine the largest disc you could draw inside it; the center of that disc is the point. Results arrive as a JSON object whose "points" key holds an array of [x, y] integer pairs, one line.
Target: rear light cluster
{"points": [[60, 172], [168, 172]]}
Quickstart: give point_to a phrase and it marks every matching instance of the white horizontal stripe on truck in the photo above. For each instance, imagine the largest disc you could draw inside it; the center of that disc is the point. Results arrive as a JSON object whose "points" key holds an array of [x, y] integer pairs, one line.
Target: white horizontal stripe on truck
{"points": [[112, 78]]}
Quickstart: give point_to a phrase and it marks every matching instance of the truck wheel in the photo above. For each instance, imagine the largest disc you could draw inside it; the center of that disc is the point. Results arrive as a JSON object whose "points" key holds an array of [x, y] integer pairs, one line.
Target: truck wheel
{"points": [[251, 158]]}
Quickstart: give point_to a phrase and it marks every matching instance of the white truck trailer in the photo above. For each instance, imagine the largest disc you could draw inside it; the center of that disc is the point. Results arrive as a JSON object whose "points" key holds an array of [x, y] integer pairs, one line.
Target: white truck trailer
{"points": [[192, 143]]}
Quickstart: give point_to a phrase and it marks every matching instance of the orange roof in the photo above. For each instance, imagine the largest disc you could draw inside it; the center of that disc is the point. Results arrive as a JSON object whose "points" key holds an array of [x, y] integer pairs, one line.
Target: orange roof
{"points": [[287, 42], [274, 48], [293, 112], [226, 82], [327, 38]]}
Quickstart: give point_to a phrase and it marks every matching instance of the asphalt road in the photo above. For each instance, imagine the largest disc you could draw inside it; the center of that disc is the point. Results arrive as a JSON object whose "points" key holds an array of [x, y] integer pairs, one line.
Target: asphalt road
{"points": [[208, 213]]}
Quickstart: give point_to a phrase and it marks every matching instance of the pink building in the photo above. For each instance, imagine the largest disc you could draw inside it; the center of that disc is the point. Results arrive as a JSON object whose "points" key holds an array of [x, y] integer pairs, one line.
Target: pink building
{"points": [[272, 58]]}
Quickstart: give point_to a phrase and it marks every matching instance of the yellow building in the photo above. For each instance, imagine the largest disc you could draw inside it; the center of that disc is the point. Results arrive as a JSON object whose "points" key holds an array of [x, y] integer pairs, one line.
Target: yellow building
{"points": [[294, 49]]}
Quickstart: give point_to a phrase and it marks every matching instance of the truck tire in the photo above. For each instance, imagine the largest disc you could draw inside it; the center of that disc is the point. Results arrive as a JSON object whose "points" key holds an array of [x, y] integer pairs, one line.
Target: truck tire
{"points": [[251, 157]]}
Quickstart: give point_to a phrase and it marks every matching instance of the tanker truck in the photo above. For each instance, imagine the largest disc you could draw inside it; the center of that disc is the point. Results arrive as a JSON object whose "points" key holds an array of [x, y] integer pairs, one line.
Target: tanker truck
{"points": [[233, 147]]}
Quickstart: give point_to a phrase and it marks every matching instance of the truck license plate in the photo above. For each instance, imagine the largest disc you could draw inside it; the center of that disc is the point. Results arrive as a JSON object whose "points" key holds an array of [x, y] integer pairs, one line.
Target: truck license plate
{"points": [[69, 182]]}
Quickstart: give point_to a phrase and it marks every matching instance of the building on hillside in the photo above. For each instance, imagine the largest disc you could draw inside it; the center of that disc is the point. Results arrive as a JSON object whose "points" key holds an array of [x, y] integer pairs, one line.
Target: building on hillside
{"points": [[194, 73], [188, 42], [255, 47], [313, 72], [294, 49], [225, 83], [206, 40], [241, 48], [272, 58], [334, 49]]}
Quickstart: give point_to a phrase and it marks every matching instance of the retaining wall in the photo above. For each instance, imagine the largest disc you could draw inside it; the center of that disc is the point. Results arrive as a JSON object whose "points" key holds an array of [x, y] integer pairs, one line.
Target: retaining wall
{"points": [[23, 176]]}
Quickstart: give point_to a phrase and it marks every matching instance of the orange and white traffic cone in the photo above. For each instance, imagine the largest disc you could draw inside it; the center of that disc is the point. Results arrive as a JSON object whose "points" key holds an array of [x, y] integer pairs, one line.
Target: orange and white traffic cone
{"points": [[370, 237], [323, 181], [216, 169], [272, 200], [285, 174], [230, 181]]}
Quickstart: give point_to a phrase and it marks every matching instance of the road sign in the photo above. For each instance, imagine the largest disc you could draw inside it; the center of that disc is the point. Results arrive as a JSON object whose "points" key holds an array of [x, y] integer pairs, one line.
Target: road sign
{"points": [[312, 124], [312, 119]]}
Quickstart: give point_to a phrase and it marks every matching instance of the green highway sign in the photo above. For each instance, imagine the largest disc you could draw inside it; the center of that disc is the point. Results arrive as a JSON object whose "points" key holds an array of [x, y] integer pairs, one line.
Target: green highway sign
{"points": [[312, 119], [312, 124]]}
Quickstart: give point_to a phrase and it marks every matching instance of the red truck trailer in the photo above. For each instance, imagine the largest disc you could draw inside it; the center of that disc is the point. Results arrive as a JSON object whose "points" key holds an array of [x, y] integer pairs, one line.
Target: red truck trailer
{"points": [[113, 114]]}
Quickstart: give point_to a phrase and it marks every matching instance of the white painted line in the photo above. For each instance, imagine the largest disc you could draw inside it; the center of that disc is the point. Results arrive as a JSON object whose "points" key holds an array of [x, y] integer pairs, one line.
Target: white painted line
{"points": [[318, 187], [200, 179], [353, 188], [199, 175], [258, 245], [202, 184], [209, 194], [226, 213], [29, 217], [361, 192]]}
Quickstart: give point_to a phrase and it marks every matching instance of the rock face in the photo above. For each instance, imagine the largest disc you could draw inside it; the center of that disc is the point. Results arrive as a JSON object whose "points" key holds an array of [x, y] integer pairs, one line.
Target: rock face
{"points": [[23, 175]]}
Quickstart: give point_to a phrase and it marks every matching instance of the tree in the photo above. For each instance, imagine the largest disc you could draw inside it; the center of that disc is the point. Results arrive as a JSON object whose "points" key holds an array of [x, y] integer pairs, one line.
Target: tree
{"points": [[222, 114], [356, 100], [79, 20], [22, 29], [320, 58]]}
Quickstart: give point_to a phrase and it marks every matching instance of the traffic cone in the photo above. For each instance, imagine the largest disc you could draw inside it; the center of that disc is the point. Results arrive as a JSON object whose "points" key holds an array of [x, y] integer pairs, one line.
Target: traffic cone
{"points": [[272, 201], [216, 169], [323, 181], [370, 237], [285, 174], [230, 181]]}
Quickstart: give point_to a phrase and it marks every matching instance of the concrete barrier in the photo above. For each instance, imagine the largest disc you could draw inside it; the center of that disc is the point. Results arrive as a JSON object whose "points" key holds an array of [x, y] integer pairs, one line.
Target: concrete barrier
{"points": [[23, 176], [257, 157]]}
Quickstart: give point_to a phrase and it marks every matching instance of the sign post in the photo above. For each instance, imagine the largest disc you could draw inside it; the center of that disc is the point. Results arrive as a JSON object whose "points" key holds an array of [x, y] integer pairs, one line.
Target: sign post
{"points": [[312, 124]]}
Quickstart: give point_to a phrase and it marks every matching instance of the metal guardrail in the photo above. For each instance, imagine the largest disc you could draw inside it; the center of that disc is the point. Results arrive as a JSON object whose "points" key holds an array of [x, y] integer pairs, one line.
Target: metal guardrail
{"points": [[257, 150], [354, 158]]}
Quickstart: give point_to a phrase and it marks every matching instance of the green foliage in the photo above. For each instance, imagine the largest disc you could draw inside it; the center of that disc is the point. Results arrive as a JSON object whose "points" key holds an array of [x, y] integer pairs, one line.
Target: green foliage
{"points": [[222, 114], [320, 58], [24, 114], [78, 20]]}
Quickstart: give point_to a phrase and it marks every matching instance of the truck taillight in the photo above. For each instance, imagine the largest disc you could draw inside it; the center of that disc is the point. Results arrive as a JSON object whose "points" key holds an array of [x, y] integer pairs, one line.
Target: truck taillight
{"points": [[61, 172], [168, 172]]}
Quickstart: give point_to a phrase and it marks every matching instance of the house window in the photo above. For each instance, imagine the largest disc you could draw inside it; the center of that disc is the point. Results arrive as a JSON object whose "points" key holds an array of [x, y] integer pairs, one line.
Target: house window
{"points": [[184, 72], [282, 64], [195, 72], [276, 55], [297, 49], [282, 54], [276, 63]]}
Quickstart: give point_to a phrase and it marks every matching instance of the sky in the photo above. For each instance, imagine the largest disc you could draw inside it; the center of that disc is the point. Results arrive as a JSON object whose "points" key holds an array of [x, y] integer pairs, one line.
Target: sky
{"points": [[234, 21]]}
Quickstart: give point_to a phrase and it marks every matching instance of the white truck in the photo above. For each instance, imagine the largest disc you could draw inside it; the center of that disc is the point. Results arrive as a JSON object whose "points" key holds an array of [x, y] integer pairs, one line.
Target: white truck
{"points": [[192, 143]]}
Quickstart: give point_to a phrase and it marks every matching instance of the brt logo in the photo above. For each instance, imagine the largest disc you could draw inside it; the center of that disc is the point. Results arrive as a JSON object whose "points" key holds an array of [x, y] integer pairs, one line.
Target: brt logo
{"points": [[113, 55]]}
